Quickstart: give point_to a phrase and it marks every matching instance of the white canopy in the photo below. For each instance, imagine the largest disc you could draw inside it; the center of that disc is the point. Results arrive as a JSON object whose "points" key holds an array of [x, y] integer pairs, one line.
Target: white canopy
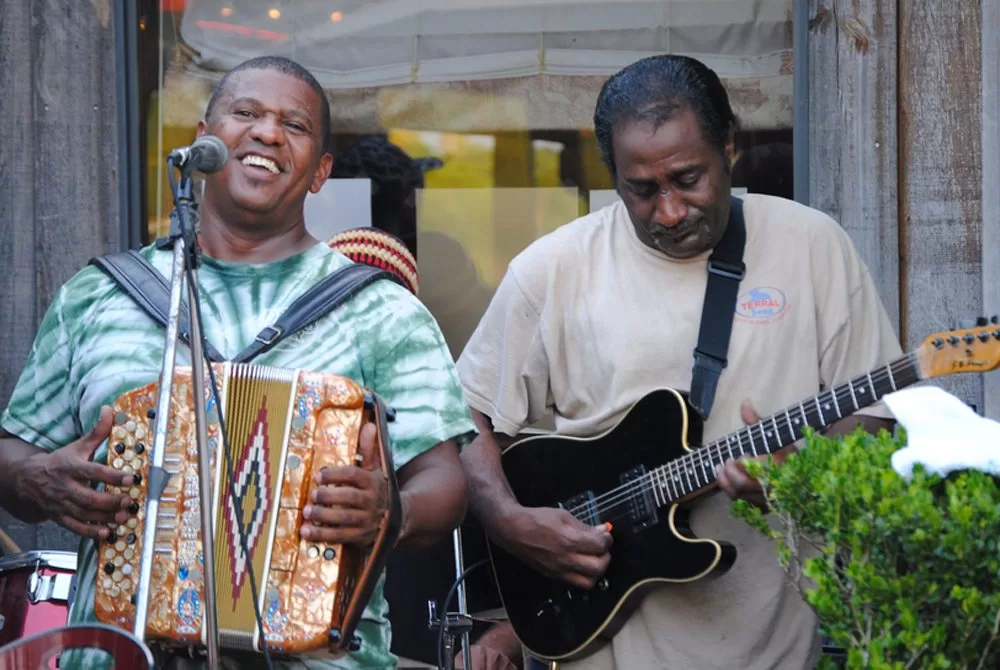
{"points": [[419, 48]]}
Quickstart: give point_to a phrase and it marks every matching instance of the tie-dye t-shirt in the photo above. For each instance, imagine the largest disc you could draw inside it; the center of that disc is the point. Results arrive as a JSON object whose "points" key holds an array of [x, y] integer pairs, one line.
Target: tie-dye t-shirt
{"points": [[95, 344]]}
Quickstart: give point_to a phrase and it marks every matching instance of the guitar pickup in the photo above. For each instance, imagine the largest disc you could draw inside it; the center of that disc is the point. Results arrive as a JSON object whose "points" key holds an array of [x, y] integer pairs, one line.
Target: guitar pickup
{"points": [[641, 505], [583, 507]]}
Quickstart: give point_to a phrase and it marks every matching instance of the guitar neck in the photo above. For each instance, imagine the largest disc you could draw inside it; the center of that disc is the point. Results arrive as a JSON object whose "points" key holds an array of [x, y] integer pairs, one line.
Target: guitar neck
{"points": [[683, 477]]}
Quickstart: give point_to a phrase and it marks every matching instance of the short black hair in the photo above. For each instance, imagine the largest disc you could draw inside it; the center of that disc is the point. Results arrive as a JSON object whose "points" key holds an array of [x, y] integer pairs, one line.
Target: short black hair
{"points": [[654, 90], [284, 66]]}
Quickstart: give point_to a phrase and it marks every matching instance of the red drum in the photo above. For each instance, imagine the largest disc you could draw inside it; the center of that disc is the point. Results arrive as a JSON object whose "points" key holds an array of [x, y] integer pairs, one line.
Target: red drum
{"points": [[35, 592]]}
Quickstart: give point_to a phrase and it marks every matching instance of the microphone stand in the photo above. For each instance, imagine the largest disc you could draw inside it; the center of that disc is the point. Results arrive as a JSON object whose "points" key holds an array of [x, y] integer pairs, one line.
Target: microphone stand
{"points": [[186, 260]]}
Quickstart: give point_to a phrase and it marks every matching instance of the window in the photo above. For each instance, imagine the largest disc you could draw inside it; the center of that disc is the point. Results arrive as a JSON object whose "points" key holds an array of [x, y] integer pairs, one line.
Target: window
{"points": [[466, 132]]}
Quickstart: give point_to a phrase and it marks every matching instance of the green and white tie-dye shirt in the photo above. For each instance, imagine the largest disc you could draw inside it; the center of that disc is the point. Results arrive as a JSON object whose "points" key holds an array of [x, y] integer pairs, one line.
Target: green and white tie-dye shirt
{"points": [[95, 344]]}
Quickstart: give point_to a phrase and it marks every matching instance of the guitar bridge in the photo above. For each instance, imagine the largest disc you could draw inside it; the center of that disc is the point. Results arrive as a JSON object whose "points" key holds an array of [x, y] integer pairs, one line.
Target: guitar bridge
{"points": [[583, 507], [641, 505]]}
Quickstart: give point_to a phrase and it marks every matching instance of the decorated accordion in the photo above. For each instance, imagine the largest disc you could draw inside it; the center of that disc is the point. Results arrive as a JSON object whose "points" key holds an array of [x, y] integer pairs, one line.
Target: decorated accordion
{"points": [[283, 426]]}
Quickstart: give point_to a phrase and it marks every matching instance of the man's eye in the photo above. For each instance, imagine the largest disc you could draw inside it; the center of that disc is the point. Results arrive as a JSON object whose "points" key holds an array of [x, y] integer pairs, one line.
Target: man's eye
{"points": [[246, 113]]}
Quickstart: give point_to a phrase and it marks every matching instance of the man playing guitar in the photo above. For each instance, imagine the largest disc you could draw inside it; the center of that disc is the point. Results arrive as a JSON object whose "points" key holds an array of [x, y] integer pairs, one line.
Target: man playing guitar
{"points": [[597, 314]]}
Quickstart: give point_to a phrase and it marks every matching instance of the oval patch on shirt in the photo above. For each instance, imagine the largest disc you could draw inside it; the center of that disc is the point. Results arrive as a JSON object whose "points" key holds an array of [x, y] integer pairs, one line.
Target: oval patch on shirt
{"points": [[764, 304]]}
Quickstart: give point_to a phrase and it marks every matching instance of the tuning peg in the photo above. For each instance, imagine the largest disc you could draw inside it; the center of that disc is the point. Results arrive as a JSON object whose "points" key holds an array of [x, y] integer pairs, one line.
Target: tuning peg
{"points": [[982, 321], [995, 319]]}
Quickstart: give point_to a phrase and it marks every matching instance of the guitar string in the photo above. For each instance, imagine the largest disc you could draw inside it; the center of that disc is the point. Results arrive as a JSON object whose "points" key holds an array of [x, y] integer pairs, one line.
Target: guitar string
{"points": [[719, 448]]}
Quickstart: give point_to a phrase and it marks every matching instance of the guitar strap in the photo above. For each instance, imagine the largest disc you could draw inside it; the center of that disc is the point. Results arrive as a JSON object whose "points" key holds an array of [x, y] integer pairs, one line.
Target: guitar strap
{"points": [[725, 271]]}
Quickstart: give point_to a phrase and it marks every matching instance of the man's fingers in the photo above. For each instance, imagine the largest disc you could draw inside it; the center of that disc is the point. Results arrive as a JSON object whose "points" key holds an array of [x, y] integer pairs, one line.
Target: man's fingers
{"points": [[336, 535], [592, 541], [84, 529], [87, 444], [347, 475], [342, 496], [95, 472], [748, 413], [100, 501], [366, 446], [336, 516], [590, 567]]}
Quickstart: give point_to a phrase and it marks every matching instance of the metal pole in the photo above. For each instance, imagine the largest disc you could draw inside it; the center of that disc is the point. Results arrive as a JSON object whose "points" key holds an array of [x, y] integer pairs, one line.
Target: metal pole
{"points": [[158, 477], [800, 101], [204, 477], [456, 538]]}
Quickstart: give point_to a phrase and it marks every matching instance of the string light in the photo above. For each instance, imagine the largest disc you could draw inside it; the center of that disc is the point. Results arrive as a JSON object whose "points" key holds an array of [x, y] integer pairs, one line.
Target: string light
{"points": [[226, 11], [336, 17], [274, 13]]}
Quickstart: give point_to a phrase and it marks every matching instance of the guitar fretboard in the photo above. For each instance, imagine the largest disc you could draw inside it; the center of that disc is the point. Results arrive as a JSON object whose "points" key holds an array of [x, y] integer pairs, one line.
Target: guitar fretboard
{"points": [[693, 472]]}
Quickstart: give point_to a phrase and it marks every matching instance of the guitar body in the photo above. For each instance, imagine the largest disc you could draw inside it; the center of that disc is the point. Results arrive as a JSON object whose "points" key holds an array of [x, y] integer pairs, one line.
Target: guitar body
{"points": [[651, 546]]}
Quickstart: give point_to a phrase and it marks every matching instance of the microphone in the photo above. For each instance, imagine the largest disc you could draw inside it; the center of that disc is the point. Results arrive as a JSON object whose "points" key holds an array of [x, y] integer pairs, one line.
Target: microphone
{"points": [[207, 155]]}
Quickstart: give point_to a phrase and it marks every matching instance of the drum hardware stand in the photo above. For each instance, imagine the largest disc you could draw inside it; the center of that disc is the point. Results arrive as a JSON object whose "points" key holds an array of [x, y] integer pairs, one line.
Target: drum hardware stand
{"points": [[455, 623], [186, 260]]}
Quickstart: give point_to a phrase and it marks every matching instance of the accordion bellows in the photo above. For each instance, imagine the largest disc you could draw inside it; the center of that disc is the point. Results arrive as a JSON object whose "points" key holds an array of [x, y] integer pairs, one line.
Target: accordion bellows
{"points": [[283, 426]]}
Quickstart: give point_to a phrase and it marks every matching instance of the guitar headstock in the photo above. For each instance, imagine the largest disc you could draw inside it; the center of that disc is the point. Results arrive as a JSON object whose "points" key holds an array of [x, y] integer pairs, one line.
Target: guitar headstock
{"points": [[975, 349]]}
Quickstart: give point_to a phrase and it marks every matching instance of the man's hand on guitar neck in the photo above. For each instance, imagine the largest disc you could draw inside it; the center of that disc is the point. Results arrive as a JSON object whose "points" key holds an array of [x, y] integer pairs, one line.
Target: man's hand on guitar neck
{"points": [[550, 540], [733, 478]]}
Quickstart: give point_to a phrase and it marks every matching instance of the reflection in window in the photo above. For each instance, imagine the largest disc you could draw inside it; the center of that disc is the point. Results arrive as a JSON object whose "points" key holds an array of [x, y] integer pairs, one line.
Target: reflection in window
{"points": [[467, 132]]}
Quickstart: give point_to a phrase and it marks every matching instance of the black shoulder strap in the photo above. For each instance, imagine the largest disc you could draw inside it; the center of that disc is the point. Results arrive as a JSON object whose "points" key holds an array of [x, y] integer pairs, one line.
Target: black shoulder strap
{"points": [[725, 271], [324, 297], [151, 291]]}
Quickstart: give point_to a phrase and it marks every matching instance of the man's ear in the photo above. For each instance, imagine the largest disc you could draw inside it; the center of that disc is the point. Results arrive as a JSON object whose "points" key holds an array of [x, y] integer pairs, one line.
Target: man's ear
{"points": [[201, 129], [322, 172]]}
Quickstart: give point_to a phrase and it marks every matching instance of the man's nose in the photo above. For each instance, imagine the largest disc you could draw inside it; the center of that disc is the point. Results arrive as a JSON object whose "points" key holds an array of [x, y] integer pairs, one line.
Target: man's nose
{"points": [[267, 130], [670, 209]]}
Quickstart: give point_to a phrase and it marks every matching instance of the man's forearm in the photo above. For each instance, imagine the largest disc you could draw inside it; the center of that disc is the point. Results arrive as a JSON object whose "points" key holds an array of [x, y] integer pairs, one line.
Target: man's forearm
{"points": [[13, 452], [433, 498], [490, 497]]}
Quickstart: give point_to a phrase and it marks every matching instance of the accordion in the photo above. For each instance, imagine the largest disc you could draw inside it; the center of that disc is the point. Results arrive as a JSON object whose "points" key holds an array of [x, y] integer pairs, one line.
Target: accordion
{"points": [[282, 426]]}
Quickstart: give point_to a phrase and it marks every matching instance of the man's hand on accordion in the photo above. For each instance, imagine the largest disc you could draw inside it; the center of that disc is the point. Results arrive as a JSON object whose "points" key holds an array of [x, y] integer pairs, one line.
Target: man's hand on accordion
{"points": [[349, 502], [56, 483]]}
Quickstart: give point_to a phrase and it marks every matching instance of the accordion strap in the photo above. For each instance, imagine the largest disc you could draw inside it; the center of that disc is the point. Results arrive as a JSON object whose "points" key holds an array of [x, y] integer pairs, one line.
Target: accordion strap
{"points": [[150, 290]]}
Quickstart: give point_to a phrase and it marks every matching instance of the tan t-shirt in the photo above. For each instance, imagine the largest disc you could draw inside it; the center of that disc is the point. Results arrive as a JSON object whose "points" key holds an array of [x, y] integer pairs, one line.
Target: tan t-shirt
{"points": [[588, 320]]}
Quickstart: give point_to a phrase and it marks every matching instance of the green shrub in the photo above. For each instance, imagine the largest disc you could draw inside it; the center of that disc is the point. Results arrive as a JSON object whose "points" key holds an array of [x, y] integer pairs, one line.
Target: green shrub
{"points": [[901, 574]]}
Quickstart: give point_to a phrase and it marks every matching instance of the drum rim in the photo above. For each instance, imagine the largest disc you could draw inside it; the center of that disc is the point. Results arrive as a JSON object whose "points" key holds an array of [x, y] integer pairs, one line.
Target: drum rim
{"points": [[59, 560]]}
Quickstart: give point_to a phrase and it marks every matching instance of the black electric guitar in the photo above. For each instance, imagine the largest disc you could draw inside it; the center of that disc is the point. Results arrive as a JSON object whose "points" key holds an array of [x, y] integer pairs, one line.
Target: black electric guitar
{"points": [[636, 474]]}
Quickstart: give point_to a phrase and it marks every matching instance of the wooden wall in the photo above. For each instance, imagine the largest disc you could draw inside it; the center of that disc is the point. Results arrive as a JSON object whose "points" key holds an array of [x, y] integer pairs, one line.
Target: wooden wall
{"points": [[896, 155], [58, 181]]}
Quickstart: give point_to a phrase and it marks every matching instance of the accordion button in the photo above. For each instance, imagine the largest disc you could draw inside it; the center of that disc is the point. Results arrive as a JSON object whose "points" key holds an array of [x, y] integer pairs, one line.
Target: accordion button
{"points": [[131, 538], [109, 568], [133, 508], [112, 538], [151, 413], [140, 447], [329, 553], [312, 551], [119, 448], [137, 478]]}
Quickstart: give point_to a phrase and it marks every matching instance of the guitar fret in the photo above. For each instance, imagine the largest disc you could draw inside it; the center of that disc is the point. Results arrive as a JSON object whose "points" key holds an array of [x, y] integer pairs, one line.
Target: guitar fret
{"points": [[805, 417], [791, 431], [729, 445], [892, 380], [777, 433], [688, 475], [854, 398], [836, 405], [752, 445], [872, 384], [819, 409]]}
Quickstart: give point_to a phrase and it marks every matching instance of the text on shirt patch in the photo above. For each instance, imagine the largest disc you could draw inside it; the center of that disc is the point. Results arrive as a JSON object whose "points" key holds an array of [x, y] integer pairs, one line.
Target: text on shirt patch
{"points": [[764, 304]]}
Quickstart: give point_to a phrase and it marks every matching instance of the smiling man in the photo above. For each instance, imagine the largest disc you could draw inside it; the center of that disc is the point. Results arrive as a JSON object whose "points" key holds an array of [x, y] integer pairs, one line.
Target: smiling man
{"points": [[595, 315], [95, 343]]}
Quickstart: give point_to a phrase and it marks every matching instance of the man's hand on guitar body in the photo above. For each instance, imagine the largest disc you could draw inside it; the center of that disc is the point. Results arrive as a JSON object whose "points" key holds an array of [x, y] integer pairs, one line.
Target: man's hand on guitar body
{"points": [[350, 501], [558, 545]]}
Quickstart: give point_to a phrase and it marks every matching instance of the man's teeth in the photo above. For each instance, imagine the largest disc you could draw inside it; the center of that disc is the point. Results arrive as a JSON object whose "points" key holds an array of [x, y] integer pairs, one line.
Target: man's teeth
{"points": [[260, 161]]}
